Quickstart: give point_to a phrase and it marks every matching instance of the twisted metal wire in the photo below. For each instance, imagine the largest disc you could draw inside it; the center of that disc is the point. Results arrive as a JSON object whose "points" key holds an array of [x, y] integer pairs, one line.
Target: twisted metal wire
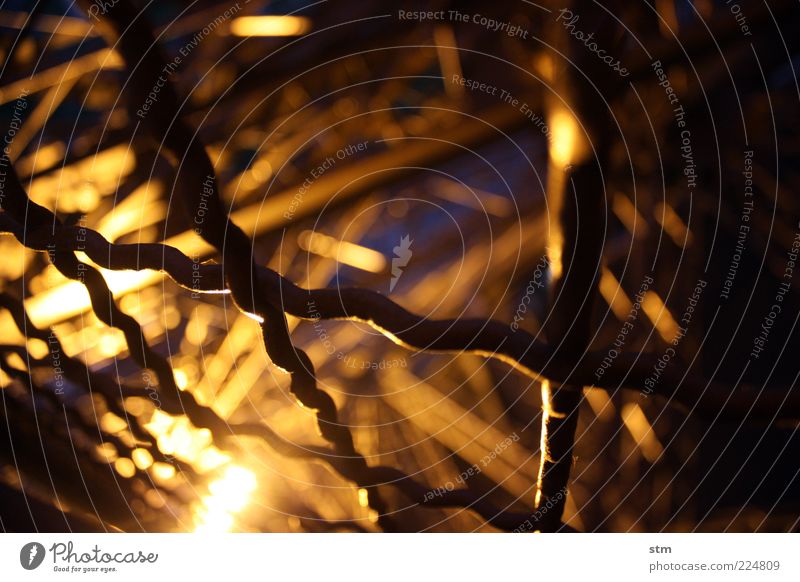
{"points": [[198, 185], [261, 291], [485, 337], [65, 240], [73, 418]]}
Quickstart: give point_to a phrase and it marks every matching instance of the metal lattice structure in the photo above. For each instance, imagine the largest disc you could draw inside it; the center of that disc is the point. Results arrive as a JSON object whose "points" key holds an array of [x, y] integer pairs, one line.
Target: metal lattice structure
{"points": [[322, 279]]}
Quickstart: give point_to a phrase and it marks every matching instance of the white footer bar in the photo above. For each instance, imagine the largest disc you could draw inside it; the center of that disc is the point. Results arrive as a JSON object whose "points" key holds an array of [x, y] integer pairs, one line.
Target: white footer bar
{"points": [[406, 557]]}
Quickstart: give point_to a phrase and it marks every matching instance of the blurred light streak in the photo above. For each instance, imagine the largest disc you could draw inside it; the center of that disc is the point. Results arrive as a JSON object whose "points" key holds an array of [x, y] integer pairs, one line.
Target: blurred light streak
{"points": [[37, 118], [236, 389], [79, 186], [462, 431], [544, 64], [102, 59], [69, 299], [658, 313], [565, 146], [614, 295], [642, 432], [197, 326], [51, 24], [270, 26], [473, 198], [673, 225], [342, 251], [600, 402], [142, 207], [44, 158], [668, 18], [449, 62], [242, 336], [629, 215], [555, 242]]}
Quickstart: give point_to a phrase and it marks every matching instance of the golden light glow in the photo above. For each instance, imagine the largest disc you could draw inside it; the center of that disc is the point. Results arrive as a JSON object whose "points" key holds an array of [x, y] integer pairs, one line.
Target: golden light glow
{"points": [[181, 379], [66, 25], [68, 299], [154, 498], [159, 423], [9, 329], [178, 437], [71, 298], [227, 496], [614, 295], [125, 467], [342, 251], [673, 225], [142, 458], [213, 521], [544, 64], [16, 259], [662, 319], [140, 208], [105, 58], [163, 471], [136, 405], [78, 187], [642, 432], [107, 452], [470, 435], [564, 148], [211, 458], [37, 348], [629, 215], [179, 441], [668, 22], [600, 402], [270, 26], [42, 159], [472, 197], [111, 343], [449, 61], [112, 423], [15, 361]]}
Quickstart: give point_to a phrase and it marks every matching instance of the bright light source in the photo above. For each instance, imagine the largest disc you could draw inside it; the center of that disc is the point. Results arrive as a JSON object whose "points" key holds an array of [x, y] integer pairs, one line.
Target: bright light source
{"points": [[228, 495], [270, 26], [231, 492], [566, 132]]}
